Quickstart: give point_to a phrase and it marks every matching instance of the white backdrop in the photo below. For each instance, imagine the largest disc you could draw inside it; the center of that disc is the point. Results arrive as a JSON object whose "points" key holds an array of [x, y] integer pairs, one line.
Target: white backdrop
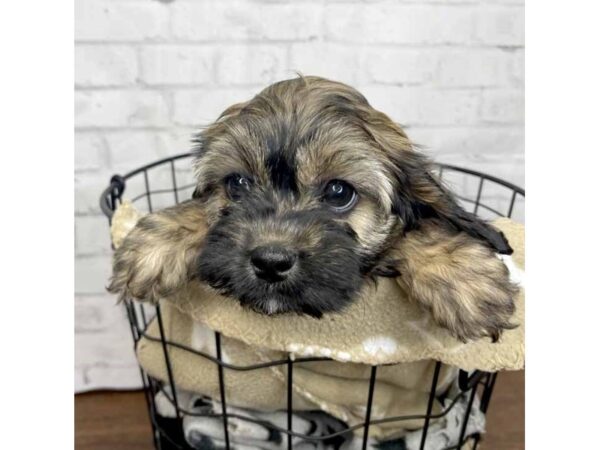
{"points": [[149, 72]]}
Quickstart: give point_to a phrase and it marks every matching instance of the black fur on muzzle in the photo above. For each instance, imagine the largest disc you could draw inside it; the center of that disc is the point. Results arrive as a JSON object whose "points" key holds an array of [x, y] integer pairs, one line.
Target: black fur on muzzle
{"points": [[326, 273]]}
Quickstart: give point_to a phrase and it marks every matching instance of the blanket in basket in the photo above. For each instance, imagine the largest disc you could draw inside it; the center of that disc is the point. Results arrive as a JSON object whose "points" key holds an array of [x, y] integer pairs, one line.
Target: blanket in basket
{"points": [[381, 328]]}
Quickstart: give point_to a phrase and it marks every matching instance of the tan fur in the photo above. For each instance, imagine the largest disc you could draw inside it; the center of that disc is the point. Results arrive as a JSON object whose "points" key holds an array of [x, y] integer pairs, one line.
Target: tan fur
{"points": [[156, 258], [460, 281]]}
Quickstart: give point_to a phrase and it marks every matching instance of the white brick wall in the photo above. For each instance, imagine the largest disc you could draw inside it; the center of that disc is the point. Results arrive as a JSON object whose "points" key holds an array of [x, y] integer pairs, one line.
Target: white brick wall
{"points": [[149, 72]]}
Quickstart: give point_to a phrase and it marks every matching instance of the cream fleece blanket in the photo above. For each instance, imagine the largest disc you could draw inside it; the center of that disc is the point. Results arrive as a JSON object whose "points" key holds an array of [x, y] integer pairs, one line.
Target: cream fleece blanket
{"points": [[381, 327]]}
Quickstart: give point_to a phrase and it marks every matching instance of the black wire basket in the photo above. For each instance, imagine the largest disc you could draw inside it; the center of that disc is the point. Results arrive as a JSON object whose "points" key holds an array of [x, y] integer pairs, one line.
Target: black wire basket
{"points": [[170, 180]]}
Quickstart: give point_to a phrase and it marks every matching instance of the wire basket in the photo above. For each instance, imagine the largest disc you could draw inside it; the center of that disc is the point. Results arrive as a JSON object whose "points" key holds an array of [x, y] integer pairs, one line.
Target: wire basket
{"points": [[170, 180]]}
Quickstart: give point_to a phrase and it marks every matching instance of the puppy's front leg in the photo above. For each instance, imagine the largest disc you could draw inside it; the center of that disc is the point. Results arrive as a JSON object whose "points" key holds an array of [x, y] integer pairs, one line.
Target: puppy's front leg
{"points": [[157, 256], [459, 279]]}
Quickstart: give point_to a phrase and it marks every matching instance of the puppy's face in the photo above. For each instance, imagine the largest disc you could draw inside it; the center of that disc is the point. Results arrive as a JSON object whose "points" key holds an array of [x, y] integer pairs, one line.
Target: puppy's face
{"points": [[305, 186]]}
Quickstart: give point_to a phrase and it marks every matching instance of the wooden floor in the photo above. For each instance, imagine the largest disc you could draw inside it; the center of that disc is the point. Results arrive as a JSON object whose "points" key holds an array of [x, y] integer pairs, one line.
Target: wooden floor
{"points": [[119, 421]]}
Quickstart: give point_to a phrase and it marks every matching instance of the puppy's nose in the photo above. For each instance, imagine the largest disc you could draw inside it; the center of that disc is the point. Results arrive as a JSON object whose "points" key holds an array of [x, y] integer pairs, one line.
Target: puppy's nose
{"points": [[272, 262]]}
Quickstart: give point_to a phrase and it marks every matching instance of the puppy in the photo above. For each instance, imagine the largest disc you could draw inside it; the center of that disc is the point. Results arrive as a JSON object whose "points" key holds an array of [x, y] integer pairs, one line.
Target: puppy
{"points": [[304, 194]]}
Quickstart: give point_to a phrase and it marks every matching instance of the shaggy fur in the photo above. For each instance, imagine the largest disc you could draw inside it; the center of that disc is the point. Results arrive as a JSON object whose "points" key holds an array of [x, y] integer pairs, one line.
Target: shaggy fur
{"points": [[157, 257], [461, 282], [262, 172]]}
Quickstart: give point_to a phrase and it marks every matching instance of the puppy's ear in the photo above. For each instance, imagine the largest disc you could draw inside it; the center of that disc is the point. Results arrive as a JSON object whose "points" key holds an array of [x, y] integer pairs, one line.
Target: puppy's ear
{"points": [[157, 257], [419, 194], [464, 285], [428, 198], [446, 256]]}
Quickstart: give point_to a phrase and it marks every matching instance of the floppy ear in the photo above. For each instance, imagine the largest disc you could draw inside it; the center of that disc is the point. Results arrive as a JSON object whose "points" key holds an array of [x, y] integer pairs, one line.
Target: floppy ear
{"points": [[461, 281], [447, 260], [157, 256], [419, 195], [445, 256], [429, 199]]}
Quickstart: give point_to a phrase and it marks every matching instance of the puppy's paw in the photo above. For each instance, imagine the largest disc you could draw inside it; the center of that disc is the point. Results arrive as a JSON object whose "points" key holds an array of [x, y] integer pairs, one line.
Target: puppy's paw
{"points": [[157, 256], [464, 285]]}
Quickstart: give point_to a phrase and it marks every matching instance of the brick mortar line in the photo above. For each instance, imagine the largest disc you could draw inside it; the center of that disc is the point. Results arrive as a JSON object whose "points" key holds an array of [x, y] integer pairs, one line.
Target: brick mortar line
{"points": [[275, 43]]}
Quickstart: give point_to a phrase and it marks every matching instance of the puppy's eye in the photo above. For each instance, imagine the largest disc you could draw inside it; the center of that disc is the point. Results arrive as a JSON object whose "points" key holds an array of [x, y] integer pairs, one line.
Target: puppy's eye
{"points": [[236, 185], [340, 195]]}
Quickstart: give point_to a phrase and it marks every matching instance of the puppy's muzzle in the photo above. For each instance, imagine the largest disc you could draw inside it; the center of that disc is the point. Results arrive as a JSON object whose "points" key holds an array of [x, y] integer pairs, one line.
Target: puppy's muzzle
{"points": [[272, 263]]}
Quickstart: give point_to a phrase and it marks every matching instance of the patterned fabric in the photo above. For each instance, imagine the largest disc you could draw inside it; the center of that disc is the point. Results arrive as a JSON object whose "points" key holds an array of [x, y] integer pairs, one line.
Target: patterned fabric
{"points": [[202, 432], [244, 435]]}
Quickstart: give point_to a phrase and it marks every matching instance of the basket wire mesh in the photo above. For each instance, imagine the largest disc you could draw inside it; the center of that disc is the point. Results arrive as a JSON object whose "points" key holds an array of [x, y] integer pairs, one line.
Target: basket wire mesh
{"points": [[175, 184]]}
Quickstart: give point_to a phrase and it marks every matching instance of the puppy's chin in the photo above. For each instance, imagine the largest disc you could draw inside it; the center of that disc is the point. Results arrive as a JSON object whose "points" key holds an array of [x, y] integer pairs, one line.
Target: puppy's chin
{"points": [[271, 306], [279, 305]]}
